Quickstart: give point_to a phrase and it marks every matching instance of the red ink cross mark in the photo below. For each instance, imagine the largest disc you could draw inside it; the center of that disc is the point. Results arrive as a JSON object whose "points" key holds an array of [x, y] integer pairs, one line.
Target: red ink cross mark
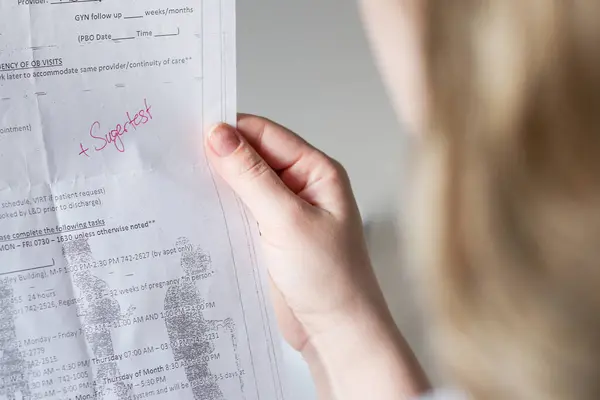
{"points": [[83, 151]]}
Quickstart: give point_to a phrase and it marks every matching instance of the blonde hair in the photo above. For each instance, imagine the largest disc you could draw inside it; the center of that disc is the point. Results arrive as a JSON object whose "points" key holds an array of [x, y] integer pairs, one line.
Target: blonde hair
{"points": [[512, 163]]}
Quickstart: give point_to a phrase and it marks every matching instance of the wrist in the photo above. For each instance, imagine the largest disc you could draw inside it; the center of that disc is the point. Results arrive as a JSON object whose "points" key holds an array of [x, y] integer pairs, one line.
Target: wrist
{"points": [[364, 353]]}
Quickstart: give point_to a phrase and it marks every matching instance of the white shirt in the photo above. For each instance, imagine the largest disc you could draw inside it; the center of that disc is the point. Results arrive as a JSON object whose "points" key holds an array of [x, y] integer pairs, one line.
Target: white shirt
{"points": [[444, 395]]}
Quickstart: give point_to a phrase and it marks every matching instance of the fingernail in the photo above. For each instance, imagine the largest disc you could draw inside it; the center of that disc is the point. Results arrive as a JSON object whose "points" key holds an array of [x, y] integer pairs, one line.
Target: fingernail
{"points": [[224, 140]]}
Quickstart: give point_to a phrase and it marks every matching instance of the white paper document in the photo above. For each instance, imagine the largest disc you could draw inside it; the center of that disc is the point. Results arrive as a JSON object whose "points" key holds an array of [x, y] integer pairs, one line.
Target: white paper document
{"points": [[127, 270]]}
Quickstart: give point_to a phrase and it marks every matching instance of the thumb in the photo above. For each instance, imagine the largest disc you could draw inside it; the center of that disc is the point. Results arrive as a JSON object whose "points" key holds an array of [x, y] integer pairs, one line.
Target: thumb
{"points": [[248, 174]]}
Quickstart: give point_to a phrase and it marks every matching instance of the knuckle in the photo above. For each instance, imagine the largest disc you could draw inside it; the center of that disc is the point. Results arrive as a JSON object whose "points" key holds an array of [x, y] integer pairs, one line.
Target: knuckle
{"points": [[253, 166], [337, 171]]}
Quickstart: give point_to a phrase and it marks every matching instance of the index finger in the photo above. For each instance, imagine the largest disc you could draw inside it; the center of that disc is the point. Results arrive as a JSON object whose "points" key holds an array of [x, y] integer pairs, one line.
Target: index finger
{"points": [[306, 171], [277, 145]]}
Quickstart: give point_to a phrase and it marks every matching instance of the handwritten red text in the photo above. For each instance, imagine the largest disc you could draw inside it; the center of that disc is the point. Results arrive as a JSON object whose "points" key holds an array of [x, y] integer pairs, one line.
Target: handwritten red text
{"points": [[114, 137]]}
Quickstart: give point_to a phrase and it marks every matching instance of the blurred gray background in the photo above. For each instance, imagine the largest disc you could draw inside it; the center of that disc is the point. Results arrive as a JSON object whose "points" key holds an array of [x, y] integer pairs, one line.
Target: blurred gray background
{"points": [[307, 65]]}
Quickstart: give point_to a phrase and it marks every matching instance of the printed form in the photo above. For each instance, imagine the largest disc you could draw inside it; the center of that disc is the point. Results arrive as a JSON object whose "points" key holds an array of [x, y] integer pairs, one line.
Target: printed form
{"points": [[127, 270]]}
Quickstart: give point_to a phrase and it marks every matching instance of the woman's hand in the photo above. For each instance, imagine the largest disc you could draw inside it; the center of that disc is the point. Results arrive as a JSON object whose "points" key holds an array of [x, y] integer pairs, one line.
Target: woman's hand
{"points": [[327, 299], [310, 225]]}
